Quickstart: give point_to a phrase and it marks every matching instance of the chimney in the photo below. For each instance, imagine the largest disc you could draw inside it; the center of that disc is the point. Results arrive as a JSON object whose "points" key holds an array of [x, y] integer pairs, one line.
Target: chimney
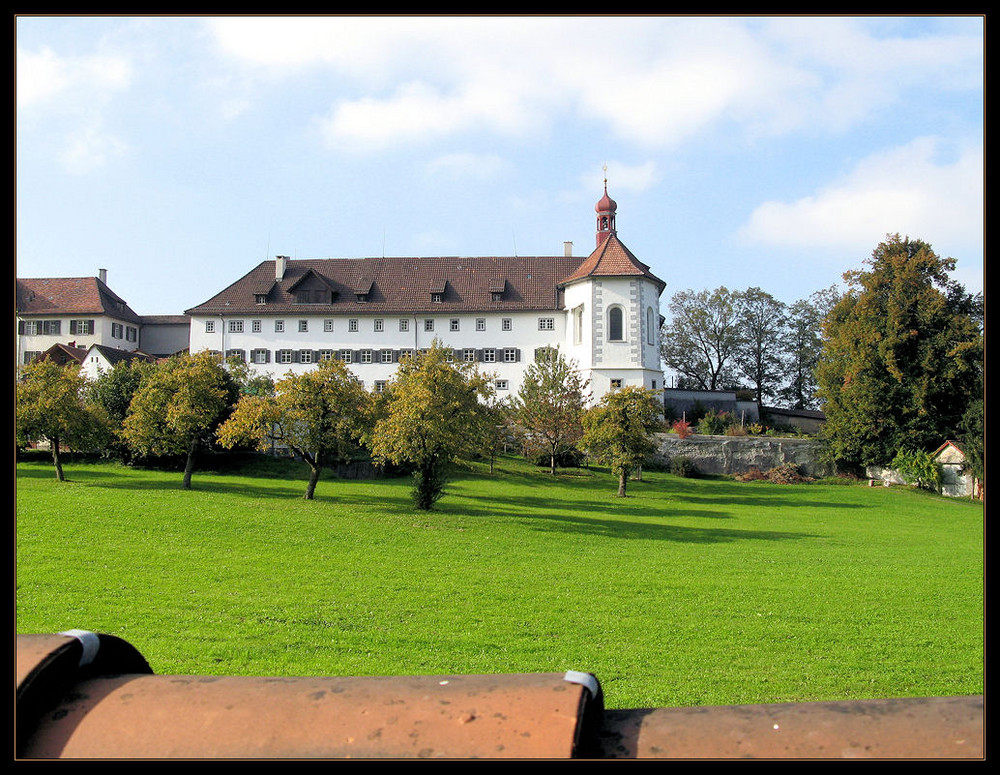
{"points": [[567, 249], [280, 265], [102, 275]]}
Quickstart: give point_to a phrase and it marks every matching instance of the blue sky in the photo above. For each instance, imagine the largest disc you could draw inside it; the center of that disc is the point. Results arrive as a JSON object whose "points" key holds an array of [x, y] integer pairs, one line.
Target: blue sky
{"points": [[178, 153]]}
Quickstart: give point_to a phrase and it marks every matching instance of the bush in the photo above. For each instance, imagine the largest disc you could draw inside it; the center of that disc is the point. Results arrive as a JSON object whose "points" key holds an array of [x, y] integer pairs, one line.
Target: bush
{"points": [[683, 466], [682, 428], [918, 468], [787, 473], [715, 423], [736, 430]]}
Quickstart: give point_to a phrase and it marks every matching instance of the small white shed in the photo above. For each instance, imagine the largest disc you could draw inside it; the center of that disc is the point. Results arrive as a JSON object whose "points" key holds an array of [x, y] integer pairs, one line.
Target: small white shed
{"points": [[954, 481]]}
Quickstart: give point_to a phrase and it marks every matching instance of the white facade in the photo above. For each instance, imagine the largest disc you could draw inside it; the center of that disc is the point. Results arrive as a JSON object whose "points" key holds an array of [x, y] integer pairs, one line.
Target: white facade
{"points": [[601, 311], [502, 345]]}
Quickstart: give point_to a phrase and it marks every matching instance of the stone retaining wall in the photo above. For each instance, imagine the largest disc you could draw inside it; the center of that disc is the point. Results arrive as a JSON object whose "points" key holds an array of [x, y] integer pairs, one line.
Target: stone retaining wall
{"points": [[738, 454]]}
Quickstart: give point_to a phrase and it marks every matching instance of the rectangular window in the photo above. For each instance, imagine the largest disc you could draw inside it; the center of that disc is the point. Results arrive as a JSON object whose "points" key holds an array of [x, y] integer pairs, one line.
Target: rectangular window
{"points": [[615, 384], [352, 325], [131, 334], [428, 325], [209, 326], [453, 325], [489, 355], [385, 356], [31, 328], [284, 356], [436, 298], [255, 326], [578, 325], [404, 354], [260, 298], [404, 324], [501, 384], [469, 356], [546, 324], [380, 386], [326, 355], [366, 356], [346, 356], [510, 355], [506, 324], [480, 324], [378, 325], [305, 356], [259, 356], [117, 329], [279, 326], [81, 327], [328, 326], [303, 326], [235, 326]]}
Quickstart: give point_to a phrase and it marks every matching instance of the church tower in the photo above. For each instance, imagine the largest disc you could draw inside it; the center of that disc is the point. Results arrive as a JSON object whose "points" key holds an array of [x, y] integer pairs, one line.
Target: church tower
{"points": [[605, 209], [612, 305]]}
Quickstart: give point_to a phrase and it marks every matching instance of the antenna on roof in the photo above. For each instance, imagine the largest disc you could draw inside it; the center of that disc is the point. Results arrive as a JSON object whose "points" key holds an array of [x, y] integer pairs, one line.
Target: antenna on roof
{"points": [[514, 240]]}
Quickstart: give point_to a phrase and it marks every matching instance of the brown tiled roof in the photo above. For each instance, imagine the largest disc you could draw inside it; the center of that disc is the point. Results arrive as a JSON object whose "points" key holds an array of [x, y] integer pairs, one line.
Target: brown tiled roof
{"points": [[70, 296], [64, 353], [404, 285], [612, 259], [114, 356]]}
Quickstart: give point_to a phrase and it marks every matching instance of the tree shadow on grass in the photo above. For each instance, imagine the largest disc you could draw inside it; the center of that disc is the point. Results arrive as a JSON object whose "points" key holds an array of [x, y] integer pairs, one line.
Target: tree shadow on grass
{"points": [[542, 514]]}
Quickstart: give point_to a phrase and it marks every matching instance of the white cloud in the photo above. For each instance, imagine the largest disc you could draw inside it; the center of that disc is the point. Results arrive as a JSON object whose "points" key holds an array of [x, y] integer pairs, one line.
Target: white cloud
{"points": [[69, 96], [43, 75], [657, 81], [634, 178], [907, 190]]}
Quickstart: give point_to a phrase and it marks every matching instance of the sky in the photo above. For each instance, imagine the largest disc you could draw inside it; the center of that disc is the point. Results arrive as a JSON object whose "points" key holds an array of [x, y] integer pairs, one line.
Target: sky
{"points": [[178, 153]]}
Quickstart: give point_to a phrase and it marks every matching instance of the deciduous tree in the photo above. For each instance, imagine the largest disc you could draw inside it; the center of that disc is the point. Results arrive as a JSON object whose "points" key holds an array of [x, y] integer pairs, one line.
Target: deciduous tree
{"points": [[802, 348], [320, 414], [432, 415], [903, 356], [178, 406], [111, 395], [49, 405], [548, 408], [703, 337], [763, 326], [618, 431]]}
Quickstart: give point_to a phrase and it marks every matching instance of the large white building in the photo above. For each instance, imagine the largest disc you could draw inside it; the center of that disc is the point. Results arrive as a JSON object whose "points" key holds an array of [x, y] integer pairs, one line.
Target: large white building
{"points": [[499, 312]]}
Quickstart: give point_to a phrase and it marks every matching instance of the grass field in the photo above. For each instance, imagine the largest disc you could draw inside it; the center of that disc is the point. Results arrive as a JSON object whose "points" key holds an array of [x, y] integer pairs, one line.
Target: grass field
{"points": [[689, 592]]}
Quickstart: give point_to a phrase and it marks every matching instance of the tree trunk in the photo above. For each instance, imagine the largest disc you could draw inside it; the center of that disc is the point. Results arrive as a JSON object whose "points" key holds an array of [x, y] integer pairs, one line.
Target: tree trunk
{"points": [[622, 481], [314, 471], [189, 466], [552, 461], [56, 460]]}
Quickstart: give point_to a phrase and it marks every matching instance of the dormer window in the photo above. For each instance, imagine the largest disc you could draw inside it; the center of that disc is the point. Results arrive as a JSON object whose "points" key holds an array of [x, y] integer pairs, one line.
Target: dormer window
{"points": [[437, 290], [363, 289], [260, 298], [497, 288]]}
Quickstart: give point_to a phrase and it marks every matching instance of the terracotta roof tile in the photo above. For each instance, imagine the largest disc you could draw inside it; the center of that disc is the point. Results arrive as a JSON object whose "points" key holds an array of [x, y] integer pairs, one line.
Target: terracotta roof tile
{"points": [[612, 259], [70, 296], [404, 285]]}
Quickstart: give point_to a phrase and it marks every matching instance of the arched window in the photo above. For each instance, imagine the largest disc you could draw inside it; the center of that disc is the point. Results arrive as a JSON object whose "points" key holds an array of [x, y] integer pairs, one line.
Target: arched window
{"points": [[650, 331], [616, 325]]}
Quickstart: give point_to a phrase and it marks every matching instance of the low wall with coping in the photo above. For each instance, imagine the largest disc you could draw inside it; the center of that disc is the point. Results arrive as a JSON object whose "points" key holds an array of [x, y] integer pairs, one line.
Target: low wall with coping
{"points": [[738, 454]]}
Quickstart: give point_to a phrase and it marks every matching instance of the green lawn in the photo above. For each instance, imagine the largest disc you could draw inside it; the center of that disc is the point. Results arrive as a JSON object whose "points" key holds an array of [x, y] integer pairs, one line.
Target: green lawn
{"points": [[689, 592]]}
